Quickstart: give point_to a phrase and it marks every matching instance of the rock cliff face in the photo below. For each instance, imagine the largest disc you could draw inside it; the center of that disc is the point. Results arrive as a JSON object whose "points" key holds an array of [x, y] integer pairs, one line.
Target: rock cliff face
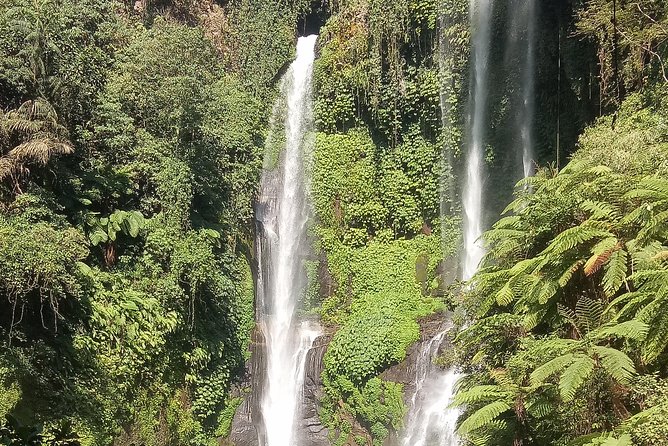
{"points": [[244, 430]]}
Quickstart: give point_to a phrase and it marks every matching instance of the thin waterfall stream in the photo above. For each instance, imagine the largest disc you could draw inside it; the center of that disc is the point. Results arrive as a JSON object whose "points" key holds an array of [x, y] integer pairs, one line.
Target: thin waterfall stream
{"points": [[528, 87], [431, 422], [282, 216], [475, 170]]}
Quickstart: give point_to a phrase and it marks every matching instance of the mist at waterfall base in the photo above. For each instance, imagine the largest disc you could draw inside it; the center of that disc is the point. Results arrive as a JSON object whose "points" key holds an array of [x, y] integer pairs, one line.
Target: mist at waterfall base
{"points": [[282, 215]]}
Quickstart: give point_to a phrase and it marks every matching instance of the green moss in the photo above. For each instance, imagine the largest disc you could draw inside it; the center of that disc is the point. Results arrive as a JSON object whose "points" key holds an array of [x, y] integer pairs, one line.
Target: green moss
{"points": [[227, 416]]}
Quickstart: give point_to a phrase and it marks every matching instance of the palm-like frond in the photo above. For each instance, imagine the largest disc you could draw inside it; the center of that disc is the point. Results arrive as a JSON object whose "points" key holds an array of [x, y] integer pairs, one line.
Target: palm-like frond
{"points": [[575, 375], [616, 363], [483, 417], [40, 150]]}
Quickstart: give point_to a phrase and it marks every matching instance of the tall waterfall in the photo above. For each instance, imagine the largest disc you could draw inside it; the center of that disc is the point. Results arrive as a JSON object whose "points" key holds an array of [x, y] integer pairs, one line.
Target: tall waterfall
{"points": [[528, 10], [431, 422], [473, 187], [282, 214]]}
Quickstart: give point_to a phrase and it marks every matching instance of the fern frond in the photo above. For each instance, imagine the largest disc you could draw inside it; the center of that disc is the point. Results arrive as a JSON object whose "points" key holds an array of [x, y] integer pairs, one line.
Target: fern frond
{"points": [[570, 271], [572, 237], [633, 329], [539, 407], [482, 417], [505, 295], [599, 210], [479, 394], [616, 363], [655, 225], [634, 302], [40, 150], [656, 184], [601, 254], [574, 376], [8, 168], [542, 373], [589, 313], [524, 265], [615, 273], [510, 222], [547, 291], [570, 316], [656, 317]]}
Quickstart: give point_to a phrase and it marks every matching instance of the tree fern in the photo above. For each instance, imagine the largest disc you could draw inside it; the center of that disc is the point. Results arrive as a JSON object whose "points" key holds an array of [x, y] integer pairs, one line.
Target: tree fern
{"points": [[601, 254], [574, 376], [483, 417], [556, 365], [572, 237], [616, 363], [479, 393]]}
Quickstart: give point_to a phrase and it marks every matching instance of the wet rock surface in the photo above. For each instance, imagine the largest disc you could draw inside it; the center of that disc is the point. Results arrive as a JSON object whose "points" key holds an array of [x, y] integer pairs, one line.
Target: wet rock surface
{"points": [[244, 431], [312, 432]]}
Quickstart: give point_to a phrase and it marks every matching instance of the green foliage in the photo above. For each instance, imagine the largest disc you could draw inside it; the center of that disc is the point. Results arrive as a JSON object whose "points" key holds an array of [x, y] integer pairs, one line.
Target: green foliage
{"points": [[361, 190], [377, 67], [128, 297], [376, 335], [371, 203], [636, 52], [567, 304]]}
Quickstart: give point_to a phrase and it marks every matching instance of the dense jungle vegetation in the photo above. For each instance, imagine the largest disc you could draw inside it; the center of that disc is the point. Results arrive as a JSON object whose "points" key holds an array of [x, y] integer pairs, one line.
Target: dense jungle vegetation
{"points": [[131, 143]]}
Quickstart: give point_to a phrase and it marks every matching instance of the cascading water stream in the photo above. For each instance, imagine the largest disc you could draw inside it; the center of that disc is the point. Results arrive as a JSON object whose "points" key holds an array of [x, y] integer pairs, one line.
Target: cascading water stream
{"points": [[528, 87], [282, 215], [431, 422], [473, 188]]}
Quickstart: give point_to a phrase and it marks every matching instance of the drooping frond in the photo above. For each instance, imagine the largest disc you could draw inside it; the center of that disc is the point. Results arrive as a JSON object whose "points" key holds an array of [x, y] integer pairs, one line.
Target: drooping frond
{"points": [[8, 168], [505, 295], [615, 272], [542, 373], [40, 151], [601, 254], [656, 317], [574, 376], [616, 363], [483, 416], [567, 275], [33, 117]]}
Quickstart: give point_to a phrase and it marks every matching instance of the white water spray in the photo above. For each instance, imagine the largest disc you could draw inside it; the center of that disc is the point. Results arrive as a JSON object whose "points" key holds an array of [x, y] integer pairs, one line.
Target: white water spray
{"points": [[283, 213], [473, 189], [431, 422]]}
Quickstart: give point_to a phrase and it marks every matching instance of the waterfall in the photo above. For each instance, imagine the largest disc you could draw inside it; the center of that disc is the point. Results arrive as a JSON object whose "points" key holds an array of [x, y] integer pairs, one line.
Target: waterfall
{"points": [[473, 188], [282, 214], [528, 10], [431, 422]]}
